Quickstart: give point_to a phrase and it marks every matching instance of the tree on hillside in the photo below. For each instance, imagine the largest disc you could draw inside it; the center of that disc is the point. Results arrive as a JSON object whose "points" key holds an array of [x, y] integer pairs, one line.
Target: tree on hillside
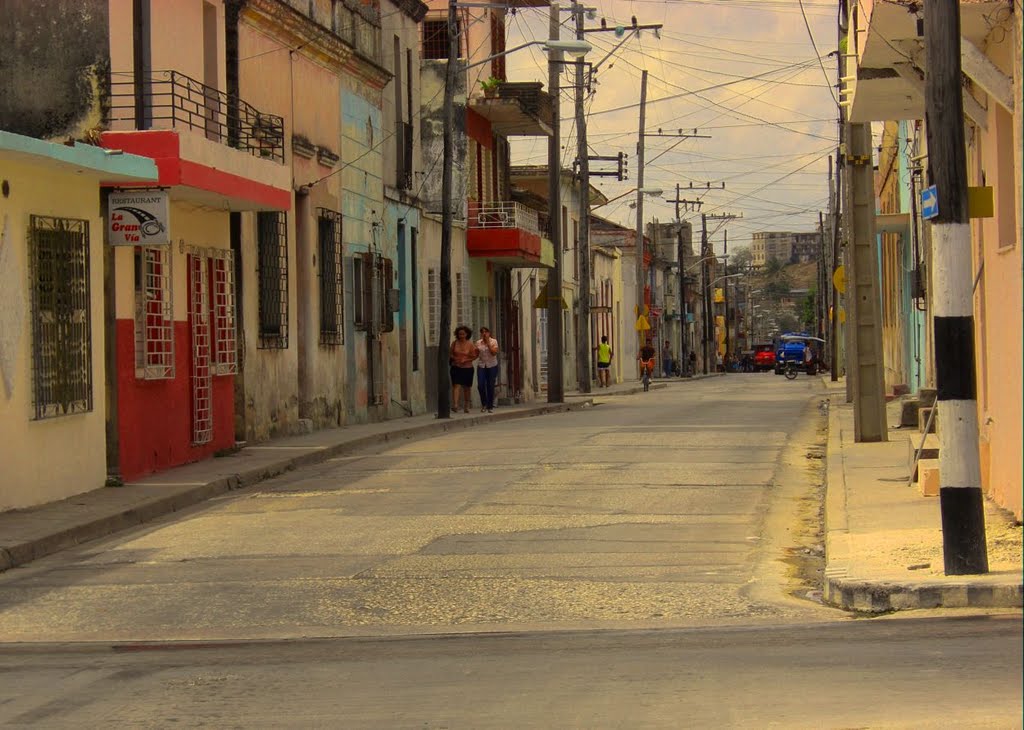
{"points": [[740, 260]]}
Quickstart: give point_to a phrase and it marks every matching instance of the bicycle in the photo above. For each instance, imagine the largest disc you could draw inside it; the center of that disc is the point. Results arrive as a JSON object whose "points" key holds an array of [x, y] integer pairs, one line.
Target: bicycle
{"points": [[791, 371], [645, 376]]}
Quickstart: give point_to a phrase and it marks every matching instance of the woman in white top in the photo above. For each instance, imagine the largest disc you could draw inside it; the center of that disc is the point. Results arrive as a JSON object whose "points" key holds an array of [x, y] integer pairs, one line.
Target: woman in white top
{"points": [[487, 369]]}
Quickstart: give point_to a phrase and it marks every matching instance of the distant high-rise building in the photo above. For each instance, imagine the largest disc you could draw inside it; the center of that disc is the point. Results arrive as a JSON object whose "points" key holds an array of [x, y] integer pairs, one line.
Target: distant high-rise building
{"points": [[784, 246]]}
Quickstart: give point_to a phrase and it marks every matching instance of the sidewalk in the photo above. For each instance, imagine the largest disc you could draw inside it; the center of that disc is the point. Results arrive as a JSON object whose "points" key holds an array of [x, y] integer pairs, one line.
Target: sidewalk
{"points": [[883, 539], [28, 534]]}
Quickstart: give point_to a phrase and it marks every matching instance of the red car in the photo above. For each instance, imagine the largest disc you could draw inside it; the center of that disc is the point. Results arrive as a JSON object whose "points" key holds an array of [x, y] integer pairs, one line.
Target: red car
{"points": [[764, 357]]}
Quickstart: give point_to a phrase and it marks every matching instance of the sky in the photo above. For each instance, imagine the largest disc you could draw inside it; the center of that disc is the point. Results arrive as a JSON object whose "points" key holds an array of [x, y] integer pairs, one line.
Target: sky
{"points": [[742, 72]]}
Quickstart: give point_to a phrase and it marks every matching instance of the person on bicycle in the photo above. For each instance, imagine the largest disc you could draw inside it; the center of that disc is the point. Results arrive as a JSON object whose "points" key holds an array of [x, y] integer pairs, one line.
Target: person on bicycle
{"points": [[646, 357]]}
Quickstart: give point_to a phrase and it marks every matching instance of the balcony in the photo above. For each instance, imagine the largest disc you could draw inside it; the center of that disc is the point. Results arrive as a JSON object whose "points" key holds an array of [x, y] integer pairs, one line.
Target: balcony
{"points": [[888, 82], [210, 148], [518, 109], [172, 100], [504, 232]]}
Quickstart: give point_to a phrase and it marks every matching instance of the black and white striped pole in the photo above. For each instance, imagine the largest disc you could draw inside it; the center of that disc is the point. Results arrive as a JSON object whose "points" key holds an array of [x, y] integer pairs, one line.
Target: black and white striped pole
{"points": [[960, 495]]}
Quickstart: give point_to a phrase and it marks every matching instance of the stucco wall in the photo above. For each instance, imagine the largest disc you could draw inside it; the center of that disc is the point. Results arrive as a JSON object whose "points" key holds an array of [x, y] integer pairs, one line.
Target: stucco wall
{"points": [[53, 458], [52, 83]]}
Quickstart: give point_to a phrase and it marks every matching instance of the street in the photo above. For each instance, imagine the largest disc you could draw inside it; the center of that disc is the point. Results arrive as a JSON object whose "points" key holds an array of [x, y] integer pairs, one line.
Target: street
{"points": [[643, 563]]}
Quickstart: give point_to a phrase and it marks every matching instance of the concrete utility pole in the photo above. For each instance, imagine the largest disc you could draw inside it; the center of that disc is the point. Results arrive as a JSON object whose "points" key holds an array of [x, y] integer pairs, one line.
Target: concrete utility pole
{"points": [[681, 256], [556, 385], [821, 306], [834, 198], [641, 334], [583, 352], [869, 416], [444, 390], [960, 498]]}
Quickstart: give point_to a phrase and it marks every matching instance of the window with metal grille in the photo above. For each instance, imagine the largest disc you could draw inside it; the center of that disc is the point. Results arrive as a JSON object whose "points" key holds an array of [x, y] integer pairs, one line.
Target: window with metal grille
{"points": [[497, 46], [361, 309], [272, 254], [154, 313], [433, 307], [329, 248], [435, 39], [225, 349], [202, 361], [460, 301], [61, 319]]}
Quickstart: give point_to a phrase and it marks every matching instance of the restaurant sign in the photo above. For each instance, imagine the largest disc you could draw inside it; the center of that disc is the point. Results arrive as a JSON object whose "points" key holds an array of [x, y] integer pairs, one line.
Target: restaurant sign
{"points": [[139, 218]]}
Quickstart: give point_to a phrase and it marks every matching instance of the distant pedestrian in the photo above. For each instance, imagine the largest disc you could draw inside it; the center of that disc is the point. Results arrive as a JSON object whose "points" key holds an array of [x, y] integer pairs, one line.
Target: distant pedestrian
{"points": [[693, 362], [718, 361], [604, 362], [666, 359], [487, 369], [461, 356]]}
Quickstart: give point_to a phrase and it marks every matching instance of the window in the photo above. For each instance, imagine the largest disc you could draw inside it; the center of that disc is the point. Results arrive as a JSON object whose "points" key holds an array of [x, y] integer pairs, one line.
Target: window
{"points": [[272, 254], [374, 297], [61, 318], [225, 350], [329, 247], [154, 313], [415, 298], [497, 46], [565, 228], [433, 306], [202, 361], [460, 301], [360, 307], [435, 39]]}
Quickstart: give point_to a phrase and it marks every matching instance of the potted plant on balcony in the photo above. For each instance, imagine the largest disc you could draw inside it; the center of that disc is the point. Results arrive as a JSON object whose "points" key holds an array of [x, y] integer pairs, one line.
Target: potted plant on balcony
{"points": [[490, 86]]}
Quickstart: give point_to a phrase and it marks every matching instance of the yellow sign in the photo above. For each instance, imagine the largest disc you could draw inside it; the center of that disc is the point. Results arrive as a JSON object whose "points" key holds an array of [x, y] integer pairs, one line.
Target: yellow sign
{"points": [[642, 324], [719, 295], [980, 203], [842, 315], [839, 279], [541, 302]]}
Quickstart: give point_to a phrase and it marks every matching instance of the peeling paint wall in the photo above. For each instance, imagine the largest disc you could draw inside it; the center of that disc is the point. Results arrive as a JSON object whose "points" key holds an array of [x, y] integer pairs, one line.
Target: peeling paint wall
{"points": [[53, 85]]}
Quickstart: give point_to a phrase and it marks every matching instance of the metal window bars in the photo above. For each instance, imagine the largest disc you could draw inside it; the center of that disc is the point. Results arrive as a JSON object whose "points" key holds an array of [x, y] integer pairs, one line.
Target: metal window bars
{"points": [[331, 272], [202, 366], [61, 319], [433, 307], [225, 349], [170, 99], [272, 275], [154, 314]]}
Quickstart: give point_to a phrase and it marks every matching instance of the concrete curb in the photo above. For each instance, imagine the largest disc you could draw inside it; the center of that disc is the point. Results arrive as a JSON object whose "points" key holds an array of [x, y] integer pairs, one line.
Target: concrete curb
{"points": [[20, 553], [882, 596]]}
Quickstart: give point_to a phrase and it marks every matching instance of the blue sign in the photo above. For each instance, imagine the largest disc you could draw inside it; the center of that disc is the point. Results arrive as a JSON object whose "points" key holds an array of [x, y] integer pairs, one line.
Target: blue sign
{"points": [[929, 203]]}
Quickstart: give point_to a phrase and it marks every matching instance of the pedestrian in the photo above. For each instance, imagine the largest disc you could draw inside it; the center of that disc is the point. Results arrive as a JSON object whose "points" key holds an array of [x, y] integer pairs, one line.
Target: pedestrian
{"points": [[487, 369], [718, 361], [460, 357], [693, 362], [604, 362], [666, 359]]}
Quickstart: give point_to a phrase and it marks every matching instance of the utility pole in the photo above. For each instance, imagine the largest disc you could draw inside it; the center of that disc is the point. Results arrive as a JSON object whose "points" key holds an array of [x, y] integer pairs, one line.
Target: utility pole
{"points": [[681, 256], [556, 385], [869, 416], [821, 308], [641, 334], [834, 198], [725, 290], [583, 352], [443, 377], [706, 284], [960, 498]]}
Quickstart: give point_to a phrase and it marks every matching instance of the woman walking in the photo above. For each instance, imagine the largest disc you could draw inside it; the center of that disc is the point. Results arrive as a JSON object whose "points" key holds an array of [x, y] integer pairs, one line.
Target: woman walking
{"points": [[487, 369], [461, 356]]}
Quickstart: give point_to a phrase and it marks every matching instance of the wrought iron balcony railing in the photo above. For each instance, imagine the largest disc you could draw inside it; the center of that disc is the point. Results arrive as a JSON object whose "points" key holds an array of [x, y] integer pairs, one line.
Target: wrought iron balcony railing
{"points": [[502, 214], [172, 100]]}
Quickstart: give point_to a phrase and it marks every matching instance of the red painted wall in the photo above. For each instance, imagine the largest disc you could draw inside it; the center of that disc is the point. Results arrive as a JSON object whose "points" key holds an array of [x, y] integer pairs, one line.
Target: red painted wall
{"points": [[479, 128], [155, 416]]}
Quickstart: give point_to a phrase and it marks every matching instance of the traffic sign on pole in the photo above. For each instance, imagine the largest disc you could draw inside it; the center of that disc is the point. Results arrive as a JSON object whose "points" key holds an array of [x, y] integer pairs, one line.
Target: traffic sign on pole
{"points": [[930, 203]]}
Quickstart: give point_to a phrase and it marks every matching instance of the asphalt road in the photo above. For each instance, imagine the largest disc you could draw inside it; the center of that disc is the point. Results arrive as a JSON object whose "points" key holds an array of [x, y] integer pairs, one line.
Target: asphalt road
{"points": [[931, 673], [678, 507], [639, 564]]}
